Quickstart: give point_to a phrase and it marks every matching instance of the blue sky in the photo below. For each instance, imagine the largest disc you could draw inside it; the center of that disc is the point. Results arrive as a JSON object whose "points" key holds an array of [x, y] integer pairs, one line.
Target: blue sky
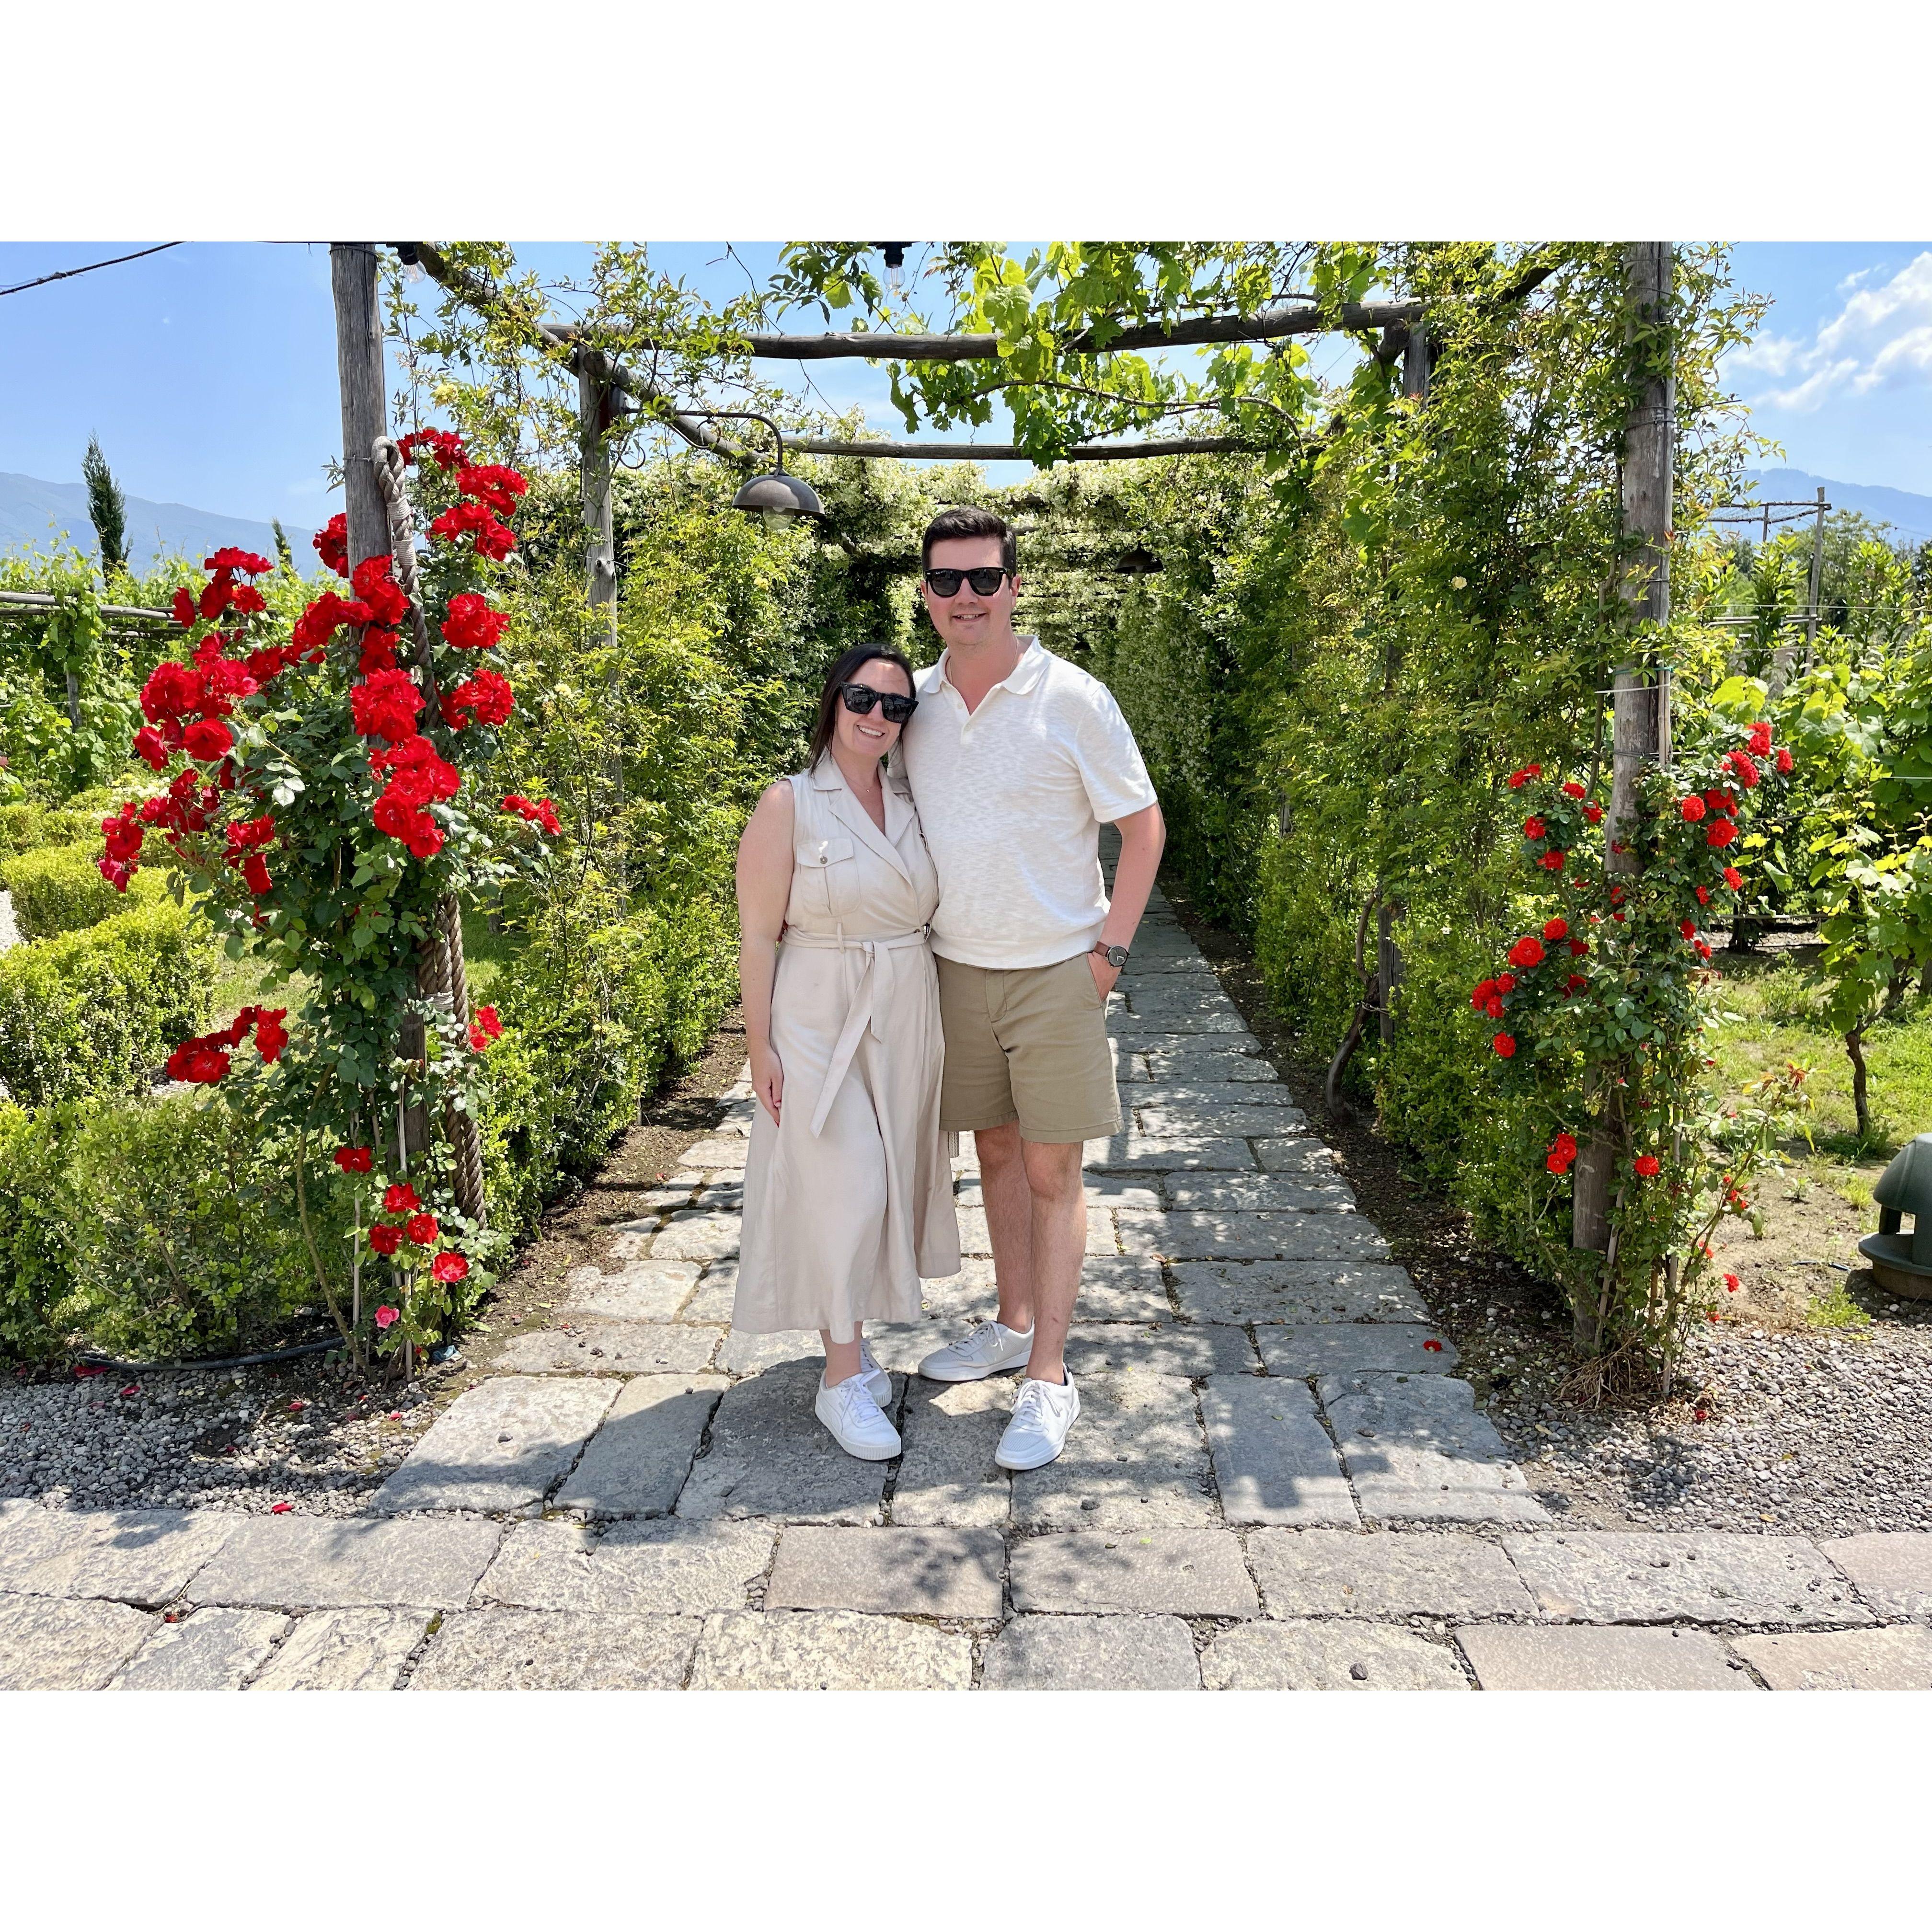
{"points": [[208, 371]]}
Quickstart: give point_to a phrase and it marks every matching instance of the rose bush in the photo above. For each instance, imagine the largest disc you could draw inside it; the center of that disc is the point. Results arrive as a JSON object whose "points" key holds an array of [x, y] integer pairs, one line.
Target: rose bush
{"points": [[329, 792]]}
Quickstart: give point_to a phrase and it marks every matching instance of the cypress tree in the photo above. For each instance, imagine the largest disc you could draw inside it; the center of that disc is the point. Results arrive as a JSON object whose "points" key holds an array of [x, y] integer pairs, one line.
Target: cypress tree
{"points": [[107, 507]]}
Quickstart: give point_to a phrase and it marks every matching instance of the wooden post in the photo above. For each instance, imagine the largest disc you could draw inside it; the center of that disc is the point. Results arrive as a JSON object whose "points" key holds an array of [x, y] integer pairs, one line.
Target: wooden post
{"points": [[1817, 577], [1415, 361], [358, 362], [594, 398], [1640, 717]]}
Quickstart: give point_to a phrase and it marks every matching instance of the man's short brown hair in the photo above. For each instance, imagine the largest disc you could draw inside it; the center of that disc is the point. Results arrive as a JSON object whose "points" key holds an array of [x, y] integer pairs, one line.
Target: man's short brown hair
{"points": [[968, 520]]}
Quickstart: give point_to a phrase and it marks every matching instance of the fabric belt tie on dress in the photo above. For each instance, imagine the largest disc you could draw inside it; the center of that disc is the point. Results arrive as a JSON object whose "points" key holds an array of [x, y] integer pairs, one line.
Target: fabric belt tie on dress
{"points": [[871, 1004]]}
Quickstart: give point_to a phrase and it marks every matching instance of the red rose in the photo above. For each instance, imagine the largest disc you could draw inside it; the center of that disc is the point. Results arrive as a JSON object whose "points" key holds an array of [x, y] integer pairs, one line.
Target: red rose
{"points": [[423, 1229], [1692, 809], [1720, 834], [1554, 929], [1703, 948], [1594, 813], [1480, 998], [354, 1159], [271, 1036], [1759, 739], [1534, 828], [449, 1267], [1733, 878], [386, 704], [1747, 772], [471, 625], [375, 585], [1493, 1006], [486, 699], [492, 484], [1505, 982], [332, 544], [1527, 952], [1572, 789], [1504, 1044], [206, 739], [1579, 947], [1552, 862], [1647, 1165], [385, 1237], [400, 1199], [1688, 927], [1703, 895], [1732, 1284], [1574, 984], [486, 1018], [384, 1316], [1783, 759]]}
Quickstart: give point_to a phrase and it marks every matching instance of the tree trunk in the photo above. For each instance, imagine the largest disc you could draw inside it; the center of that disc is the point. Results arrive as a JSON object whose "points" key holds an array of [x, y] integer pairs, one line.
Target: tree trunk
{"points": [[1855, 1045], [1640, 727]]}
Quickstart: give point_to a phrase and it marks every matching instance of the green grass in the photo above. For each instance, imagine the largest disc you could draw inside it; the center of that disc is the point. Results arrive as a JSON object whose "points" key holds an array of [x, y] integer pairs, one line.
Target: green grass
{"points": [[1836, 1310], [1776, 1014]]}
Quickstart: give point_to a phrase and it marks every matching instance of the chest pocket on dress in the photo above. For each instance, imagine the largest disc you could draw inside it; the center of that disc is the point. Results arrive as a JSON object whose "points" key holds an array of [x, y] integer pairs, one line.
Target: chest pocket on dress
{"points": [[831, 869]]}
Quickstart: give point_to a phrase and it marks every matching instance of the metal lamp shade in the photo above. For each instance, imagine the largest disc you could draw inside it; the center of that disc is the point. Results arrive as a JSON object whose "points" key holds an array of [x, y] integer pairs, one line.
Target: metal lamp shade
{"points": [[778, 495]]}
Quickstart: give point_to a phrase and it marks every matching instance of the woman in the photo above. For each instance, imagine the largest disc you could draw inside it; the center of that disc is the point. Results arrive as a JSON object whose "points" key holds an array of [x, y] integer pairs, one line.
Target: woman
{"points": [[848, 1192]]}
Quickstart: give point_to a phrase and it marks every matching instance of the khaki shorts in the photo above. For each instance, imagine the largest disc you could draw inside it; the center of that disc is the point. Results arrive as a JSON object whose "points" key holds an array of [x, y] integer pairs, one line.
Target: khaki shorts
{"points": [[1028, 1044]]}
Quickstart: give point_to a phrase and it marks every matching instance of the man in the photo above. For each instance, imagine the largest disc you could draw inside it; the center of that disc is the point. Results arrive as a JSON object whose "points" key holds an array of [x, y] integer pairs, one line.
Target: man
{"points": [[1016, 759]]}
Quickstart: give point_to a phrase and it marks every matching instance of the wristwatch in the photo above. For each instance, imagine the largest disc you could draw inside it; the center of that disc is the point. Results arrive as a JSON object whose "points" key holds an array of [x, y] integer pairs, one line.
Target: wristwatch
{"points": [[1116, 956]]}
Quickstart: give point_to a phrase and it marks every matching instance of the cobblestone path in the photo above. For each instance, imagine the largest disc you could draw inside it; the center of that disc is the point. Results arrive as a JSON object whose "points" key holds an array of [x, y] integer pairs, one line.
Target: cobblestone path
{"points": [[1276, 1481]]}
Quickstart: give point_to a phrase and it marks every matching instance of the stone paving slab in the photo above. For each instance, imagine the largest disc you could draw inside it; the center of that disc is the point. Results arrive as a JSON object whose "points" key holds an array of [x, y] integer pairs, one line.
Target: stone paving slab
{"points": [[1187, 1572], [213, 1650], [1135, 1458], [698, 1234], [1213, 1093], [1236, 1122], [927, 1573], [1327, 1657], [1301, 1193], [318, 1562], [1113, 1288], [1274, 1461], [1204, 1019], [1356, 1348], [637, 1461], [828, 1650], [659, 1568], [345, 1650], [753, 1355], [641, 1290], [612, 1348], [1191, 1064], [500, 1446], [1417, 1449], [1329, 1573], [1170, 1153], [1197, 997], [947, 1475], [720, 1153], [771, 1457], [1616, 1576], [54, 1643], [1234, 1235], [1123, 1653], [138, 1556], [710, 1303], [500, 1649], [1898, 1659], [1893, 1570], [1296, 1292], [1290, 1154], [899, 1347], [1578, 1656], [1189, 1351]]}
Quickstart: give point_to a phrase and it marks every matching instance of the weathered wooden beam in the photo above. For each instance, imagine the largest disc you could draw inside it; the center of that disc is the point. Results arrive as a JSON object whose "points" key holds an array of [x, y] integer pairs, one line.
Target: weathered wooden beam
{"points": [[1008, 452], [358, 364], [29, 601]]}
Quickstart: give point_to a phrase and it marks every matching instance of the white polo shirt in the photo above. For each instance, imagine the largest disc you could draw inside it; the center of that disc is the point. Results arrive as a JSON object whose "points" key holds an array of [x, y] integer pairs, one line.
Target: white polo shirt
{"points": [[1011, 798]]}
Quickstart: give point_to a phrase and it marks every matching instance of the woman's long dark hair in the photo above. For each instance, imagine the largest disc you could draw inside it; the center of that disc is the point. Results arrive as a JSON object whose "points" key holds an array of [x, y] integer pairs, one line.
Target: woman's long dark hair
{"points": [[847, 668]]}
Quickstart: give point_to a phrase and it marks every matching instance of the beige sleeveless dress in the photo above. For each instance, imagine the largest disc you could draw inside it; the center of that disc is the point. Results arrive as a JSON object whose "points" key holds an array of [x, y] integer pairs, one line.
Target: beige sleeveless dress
{"points": [[848, 1201]]}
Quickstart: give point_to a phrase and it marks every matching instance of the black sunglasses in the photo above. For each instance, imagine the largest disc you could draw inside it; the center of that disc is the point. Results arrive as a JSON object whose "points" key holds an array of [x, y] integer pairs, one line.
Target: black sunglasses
{"points": [[947, 582], [861, 697]]}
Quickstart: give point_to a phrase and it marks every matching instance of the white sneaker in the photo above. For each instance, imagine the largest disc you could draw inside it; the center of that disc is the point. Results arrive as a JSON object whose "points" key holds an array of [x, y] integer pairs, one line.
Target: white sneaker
{"points": [[858, 1425], [877, 1380], [990, 1348], [1042, 1417]]}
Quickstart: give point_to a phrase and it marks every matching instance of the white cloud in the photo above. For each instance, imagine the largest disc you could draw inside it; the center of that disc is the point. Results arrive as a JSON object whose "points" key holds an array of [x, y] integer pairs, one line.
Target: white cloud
{"points": [[1880, 339]]}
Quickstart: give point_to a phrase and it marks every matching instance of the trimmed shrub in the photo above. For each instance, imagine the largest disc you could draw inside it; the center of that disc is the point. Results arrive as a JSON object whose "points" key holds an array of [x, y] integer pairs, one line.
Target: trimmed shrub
{"points": [[99, 1012], [180, 1228], [591, 1020], [59, 888], [26, 826], [36, 1273]]}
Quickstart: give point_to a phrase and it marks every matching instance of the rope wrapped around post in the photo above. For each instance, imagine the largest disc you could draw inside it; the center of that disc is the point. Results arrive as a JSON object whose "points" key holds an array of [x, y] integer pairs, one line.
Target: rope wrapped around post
{"points": [[440, 973]]}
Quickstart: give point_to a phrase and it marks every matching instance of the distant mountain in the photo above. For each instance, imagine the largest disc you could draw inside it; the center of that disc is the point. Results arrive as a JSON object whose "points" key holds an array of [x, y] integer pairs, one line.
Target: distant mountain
{"points": [[35, 512], [1909, 516]]}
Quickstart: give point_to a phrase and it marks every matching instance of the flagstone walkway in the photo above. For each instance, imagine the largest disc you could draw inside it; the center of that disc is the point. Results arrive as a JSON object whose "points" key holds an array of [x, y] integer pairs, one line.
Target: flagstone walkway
{"points": [[1276, 1482]]}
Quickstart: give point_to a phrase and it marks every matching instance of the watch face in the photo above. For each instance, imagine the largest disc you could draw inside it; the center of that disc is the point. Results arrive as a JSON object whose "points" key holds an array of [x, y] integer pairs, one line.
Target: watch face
{"points": [[1117, 957]]}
